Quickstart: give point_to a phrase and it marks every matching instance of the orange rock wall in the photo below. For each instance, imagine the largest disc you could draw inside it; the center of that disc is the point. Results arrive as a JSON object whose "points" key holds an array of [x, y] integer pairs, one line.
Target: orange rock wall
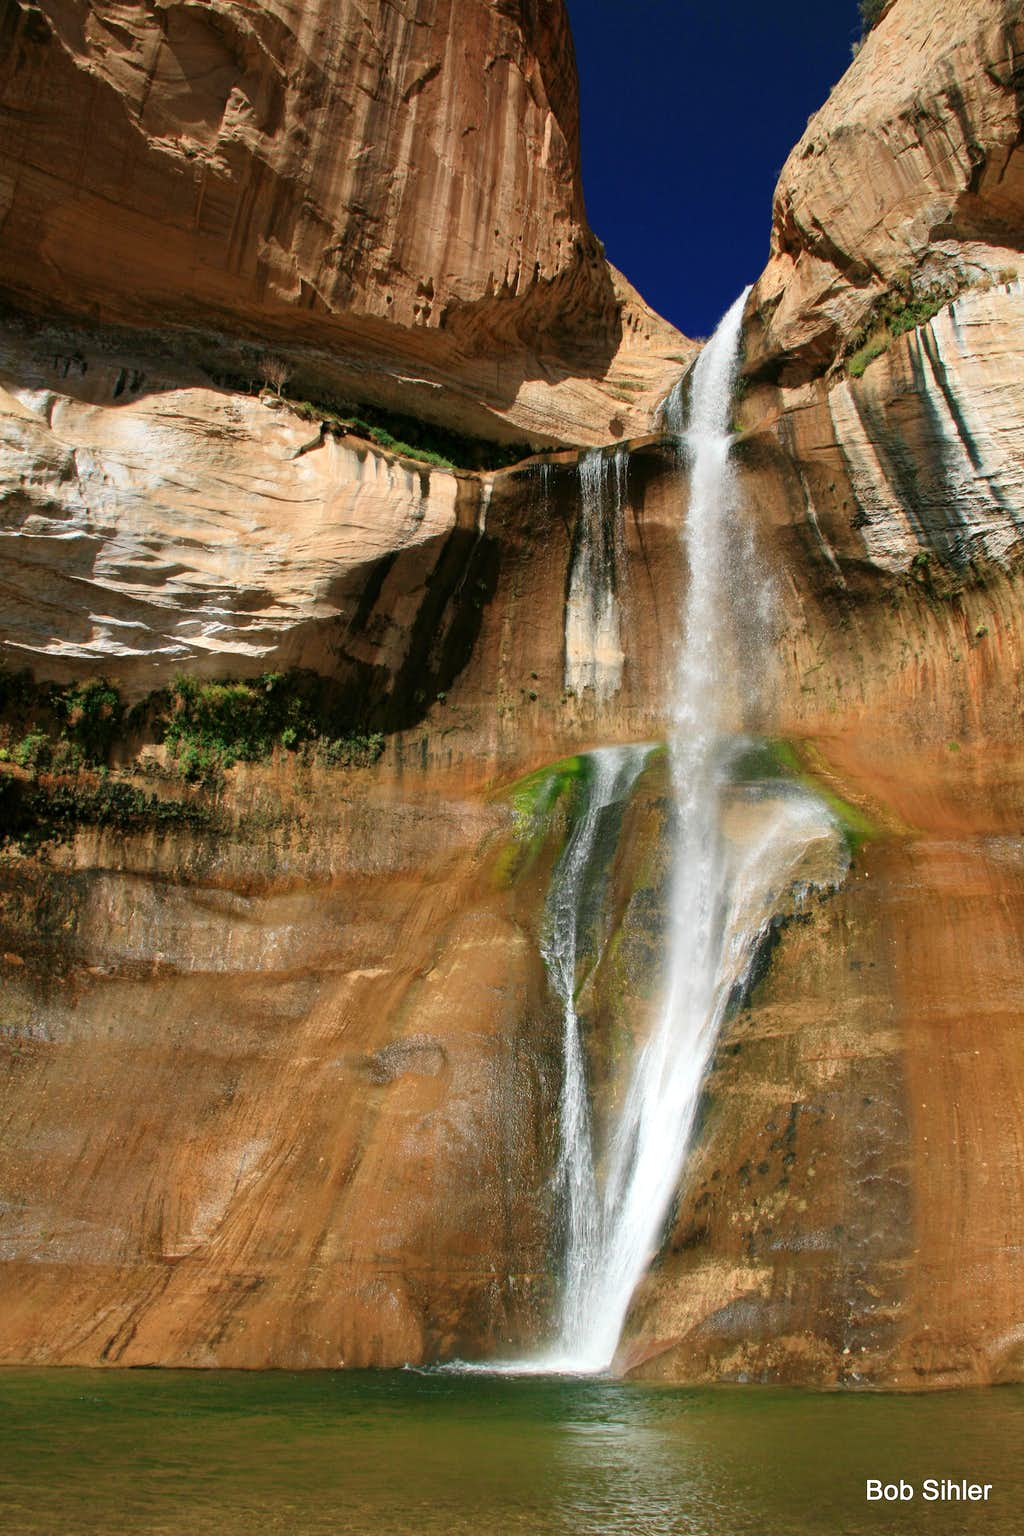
{"points": [[389, 195], [275, 1098], [283, 1093]]}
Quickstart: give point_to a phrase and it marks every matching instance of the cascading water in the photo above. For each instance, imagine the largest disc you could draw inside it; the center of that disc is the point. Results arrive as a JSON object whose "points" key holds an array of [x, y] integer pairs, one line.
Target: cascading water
{"points": [[725, 890], [593, 641], [611, 773]]}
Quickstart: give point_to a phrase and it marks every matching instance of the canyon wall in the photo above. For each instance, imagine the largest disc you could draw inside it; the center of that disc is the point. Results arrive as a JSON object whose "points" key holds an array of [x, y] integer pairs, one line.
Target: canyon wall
{"points": [[910, 177], [275, 1095], [857, 1181], [281, 1061], [385, 197]]}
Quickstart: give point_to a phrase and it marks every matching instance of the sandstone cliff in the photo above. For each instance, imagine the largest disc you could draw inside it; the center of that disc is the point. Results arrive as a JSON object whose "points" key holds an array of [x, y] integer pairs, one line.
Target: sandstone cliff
{"points": [[387, 195], [281, 1061], [193, 530], [911, 177], [277, 1096], [858, 1173]]}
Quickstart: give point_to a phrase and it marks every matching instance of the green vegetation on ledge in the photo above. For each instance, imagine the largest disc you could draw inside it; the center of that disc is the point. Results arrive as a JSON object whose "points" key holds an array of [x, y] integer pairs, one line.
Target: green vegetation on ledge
{"points": [[341, 425], [59, 745], [856, 826], [207, 727], [778, 758], [34, 813], [44, 726], [409, 436], [534, 800], [901, 310]]}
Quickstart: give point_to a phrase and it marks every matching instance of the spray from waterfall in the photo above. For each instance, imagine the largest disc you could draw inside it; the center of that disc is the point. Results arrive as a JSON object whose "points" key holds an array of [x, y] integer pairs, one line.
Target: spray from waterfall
{"points": [[724, 892]]}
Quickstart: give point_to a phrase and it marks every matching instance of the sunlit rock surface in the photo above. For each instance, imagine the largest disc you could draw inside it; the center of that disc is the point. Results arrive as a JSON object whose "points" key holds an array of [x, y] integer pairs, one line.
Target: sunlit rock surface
{"points": [[282, 1091], [390, 197], [245, 1082], [151, 527], [913, 167]]}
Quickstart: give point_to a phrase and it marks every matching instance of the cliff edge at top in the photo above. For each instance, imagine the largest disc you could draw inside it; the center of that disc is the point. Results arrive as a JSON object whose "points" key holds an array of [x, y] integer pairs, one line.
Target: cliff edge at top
{"points": [[909, 180], [387, 194]]}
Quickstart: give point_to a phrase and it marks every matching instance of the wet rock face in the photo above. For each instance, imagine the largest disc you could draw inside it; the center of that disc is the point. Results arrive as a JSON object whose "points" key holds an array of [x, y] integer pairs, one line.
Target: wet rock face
{"points": [[396, 185], [822, 1233], [846, 1210]]}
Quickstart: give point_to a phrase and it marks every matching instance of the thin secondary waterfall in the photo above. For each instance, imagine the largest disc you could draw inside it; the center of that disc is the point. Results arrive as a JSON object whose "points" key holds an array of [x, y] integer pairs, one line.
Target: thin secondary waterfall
{"points": [[611, 773], [593, 640], [725, 890]]}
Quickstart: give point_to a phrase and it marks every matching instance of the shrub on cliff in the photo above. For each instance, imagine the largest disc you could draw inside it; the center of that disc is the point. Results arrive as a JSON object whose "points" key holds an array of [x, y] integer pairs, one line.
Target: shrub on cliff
{"points": [[50, 725], [871, 13], [91, 716], [216, 724], [901, 310], [35, 813], [211, 726], [47, 728]]}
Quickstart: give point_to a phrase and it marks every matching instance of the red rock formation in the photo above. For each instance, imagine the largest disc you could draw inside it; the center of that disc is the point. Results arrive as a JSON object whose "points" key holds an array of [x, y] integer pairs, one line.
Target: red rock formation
{"points": [[388, 194], [280, 1093], [306, 1126]]}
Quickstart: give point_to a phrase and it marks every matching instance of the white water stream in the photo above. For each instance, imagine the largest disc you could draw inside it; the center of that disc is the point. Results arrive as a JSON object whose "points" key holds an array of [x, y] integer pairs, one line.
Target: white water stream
{"points": [[612, 774], [593, 642], [741, 856], [725, 890]]}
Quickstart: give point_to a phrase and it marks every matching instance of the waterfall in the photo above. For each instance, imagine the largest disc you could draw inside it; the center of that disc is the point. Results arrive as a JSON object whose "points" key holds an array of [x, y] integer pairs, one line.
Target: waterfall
{"points": [[611, 773], [593, 641], [725, 888]]}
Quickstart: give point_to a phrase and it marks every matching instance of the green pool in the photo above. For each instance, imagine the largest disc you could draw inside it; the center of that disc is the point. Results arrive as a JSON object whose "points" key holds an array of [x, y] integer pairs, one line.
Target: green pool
{"points": [[397, 1452]]}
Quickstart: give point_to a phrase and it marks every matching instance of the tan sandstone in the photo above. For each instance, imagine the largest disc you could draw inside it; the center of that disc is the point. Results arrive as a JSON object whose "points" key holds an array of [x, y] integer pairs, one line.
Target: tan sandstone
{"points": [[282, 1092], [387, 197], [912, 169]]}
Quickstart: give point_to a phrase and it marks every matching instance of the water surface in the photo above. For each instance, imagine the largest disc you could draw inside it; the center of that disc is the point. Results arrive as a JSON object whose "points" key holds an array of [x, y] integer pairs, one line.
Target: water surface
{"points": [[392, 1453]]}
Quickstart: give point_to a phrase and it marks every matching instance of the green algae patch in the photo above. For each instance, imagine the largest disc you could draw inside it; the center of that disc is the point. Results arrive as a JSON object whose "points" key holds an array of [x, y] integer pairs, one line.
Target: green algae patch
{"points": [[534, 801], [535, 796], [776, 757], [764, 758], [544, 805]]}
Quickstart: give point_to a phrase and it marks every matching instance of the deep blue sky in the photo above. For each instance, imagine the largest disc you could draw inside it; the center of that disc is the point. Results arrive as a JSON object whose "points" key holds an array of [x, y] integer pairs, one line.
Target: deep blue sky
{"points": [[688, 110]]}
